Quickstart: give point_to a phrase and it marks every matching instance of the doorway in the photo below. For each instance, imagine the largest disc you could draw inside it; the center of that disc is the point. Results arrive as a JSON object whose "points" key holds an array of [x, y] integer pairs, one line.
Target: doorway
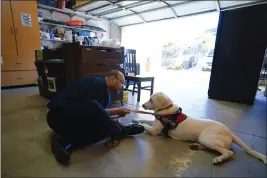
{"points": [[178, 53]]}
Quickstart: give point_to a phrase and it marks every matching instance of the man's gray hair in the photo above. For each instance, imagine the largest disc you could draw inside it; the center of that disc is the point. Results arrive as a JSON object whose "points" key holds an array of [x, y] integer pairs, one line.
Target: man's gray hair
{"points": [[114, 73]]}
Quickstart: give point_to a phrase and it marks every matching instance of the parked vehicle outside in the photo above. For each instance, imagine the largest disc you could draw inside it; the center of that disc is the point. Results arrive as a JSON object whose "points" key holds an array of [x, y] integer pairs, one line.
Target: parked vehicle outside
{"points": [[206, 63], [190, 58]]}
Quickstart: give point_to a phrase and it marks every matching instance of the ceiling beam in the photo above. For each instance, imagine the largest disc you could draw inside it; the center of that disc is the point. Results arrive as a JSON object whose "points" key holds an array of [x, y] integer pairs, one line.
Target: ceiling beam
{"points": [[244, 5], [100, 7], [134, 12], [218, 6], [198, 13], [152, 10], [103, 6], [170, 7], [142, 18], [169, 18], [85, 4], [135, 4]]}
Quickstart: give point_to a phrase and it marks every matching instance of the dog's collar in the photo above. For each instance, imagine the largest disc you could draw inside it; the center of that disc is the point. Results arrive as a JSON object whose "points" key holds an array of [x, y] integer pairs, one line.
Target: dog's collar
{"points": [[165, 108], [180, 110]]}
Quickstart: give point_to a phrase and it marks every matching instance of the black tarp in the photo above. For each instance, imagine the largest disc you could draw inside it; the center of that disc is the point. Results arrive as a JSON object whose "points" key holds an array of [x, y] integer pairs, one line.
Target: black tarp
{"points": [[239, 51]]}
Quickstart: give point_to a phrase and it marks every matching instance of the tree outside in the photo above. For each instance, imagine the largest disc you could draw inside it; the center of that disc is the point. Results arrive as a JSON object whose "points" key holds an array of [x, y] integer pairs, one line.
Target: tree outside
{"points": [[177, 55]]}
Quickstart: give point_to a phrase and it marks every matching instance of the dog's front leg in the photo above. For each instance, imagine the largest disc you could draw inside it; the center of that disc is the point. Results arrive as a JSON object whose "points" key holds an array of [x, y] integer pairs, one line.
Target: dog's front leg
{"points": [[155, 129], [143, 122]]}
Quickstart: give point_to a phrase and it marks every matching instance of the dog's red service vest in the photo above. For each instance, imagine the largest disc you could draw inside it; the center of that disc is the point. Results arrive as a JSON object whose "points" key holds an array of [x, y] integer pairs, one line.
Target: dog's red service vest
{"points": [[171, 121]]}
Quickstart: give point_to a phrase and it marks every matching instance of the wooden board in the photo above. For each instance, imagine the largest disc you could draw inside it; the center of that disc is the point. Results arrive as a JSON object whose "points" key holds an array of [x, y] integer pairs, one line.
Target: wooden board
{"points": [[142, 112]]}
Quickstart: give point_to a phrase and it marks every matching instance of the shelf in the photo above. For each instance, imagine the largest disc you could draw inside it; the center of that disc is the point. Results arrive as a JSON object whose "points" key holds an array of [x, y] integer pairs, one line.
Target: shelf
{"points": [[61, 41], [70, 27], [69, 12]]}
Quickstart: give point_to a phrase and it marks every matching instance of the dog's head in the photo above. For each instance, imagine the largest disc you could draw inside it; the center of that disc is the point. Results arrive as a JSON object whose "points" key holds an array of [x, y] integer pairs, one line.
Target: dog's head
{"points": [[157, 101]]}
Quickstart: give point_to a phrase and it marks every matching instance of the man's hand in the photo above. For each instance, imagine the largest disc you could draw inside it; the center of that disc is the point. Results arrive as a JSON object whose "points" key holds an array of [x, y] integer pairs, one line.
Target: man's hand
{"points": [[118, 111], [112, 143], [122, 112]]}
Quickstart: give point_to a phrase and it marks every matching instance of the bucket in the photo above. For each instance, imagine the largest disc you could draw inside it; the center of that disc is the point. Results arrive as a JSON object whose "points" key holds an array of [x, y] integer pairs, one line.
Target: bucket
{"points": [[125, 96], [68, 35]]}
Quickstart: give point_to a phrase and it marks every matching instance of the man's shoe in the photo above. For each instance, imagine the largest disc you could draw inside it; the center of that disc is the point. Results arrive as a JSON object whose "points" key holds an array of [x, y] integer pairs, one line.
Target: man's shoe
{"points": [[134, 129], [60, 150]]}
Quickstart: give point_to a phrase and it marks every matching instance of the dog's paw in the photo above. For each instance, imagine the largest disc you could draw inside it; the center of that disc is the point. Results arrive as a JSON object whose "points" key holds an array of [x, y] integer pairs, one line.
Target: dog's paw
{"points": [[197, 146], [217, 160], [264, 160]]}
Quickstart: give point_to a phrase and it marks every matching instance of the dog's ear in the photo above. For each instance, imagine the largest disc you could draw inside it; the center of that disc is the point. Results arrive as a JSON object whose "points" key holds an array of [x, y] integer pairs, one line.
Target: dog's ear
{"points": [[167, 100], [162, 98]]}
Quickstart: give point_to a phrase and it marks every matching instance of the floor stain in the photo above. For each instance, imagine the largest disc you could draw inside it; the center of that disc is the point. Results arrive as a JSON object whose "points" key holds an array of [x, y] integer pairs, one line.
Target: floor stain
{"points": [[180, 164]]}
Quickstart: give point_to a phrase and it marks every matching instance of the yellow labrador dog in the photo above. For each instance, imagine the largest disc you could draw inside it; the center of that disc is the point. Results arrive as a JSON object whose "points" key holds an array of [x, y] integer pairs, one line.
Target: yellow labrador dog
{"points": [[207, 134]]}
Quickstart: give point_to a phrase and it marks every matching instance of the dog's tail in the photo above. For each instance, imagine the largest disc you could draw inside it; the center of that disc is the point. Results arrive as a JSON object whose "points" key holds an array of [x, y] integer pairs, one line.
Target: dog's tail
{"points": [[240, 143]]}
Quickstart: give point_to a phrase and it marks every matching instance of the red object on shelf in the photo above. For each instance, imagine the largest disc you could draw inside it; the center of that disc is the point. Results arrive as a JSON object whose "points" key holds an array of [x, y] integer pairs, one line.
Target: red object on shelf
{"points": [[61, 4], [75, 23]]}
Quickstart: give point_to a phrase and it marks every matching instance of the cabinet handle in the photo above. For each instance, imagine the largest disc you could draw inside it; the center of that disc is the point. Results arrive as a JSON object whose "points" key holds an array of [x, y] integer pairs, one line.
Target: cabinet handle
{"points": [[11, 29], [103, 64], [20, 78], [18, 63]]}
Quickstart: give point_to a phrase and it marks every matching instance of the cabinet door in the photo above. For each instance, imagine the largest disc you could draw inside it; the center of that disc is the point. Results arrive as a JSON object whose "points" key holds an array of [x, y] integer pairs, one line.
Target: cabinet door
{"points": [[8, 47], [27, 31]]}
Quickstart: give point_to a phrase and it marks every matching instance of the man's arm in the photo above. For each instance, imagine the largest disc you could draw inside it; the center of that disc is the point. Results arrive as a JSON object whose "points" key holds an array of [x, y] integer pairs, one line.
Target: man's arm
{"points": [[112, 111], [118, 111]]}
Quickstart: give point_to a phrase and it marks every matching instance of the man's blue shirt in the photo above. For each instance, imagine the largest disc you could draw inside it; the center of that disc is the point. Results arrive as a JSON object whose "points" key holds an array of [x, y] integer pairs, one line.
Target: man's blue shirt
{"points": [[90, 88]]}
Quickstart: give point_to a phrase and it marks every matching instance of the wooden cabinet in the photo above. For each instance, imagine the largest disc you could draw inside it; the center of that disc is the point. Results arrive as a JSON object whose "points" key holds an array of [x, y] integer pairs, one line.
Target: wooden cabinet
{"points": [[84, 61], [79, 62], [15, 78], [19, 39], [8, 41], [96, 61], [27, 37]]}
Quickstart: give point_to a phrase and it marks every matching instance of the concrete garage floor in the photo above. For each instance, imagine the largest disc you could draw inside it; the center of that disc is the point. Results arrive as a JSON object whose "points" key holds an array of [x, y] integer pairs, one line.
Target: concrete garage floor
{"points": [[26, 148]]}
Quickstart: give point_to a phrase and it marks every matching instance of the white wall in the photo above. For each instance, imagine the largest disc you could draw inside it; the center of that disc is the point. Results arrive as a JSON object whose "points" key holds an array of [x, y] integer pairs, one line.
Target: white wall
{"points": [[115, 31]]}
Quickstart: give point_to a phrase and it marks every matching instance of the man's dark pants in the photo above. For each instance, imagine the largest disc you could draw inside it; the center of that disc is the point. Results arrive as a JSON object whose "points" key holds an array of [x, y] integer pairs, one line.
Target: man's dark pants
{"points": [[82, 123]]}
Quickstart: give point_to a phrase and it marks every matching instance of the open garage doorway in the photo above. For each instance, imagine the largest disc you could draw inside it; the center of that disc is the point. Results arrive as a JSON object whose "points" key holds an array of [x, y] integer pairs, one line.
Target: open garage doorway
{"points": [[178, 53]]}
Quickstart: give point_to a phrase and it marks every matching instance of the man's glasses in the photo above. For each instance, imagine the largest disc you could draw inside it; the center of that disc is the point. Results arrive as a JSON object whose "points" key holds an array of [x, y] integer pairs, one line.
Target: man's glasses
{"points": [[120, 81]]}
